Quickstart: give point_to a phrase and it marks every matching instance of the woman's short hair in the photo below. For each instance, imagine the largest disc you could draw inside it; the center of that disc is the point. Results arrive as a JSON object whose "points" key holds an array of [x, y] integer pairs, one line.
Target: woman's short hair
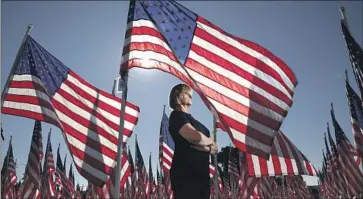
{"points": [[175, 92]]}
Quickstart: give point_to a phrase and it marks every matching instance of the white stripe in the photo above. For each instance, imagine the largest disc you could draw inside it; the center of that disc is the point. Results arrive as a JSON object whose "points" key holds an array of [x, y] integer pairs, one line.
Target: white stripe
{"points": [[256, 165], [166, 156], [101, 97], [30, 107], [166, 165], [168, 148], [92, 171], [249, 51]]}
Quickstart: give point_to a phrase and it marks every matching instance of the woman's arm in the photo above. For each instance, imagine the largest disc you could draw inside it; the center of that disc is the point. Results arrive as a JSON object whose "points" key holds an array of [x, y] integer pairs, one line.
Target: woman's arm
{"points": [[195, 137]]}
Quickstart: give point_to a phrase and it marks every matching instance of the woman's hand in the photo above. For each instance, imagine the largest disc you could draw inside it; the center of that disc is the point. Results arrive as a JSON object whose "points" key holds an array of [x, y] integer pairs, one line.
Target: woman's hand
{"points": [[214, 148]]}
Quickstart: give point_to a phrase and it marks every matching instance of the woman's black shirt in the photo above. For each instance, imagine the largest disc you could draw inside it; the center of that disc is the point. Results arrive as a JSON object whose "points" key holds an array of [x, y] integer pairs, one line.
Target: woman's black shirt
{"points": [[188, 165]]}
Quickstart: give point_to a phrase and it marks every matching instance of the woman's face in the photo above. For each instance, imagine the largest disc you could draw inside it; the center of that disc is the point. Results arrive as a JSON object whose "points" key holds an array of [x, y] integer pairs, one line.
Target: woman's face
{"points": [[186, 98]]}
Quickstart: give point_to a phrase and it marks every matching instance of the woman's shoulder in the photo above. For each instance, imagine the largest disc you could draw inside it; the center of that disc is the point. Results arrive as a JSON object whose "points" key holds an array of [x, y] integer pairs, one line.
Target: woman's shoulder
{"points": [[176, 113]]}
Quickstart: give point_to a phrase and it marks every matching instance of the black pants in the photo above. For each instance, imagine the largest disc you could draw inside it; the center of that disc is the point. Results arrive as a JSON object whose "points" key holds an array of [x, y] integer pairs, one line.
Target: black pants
{"points": [[192, 191]]}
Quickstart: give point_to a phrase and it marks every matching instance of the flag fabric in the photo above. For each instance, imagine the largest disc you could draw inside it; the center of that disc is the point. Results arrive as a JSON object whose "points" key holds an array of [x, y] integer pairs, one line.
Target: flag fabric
{"points": [[141, 173], [336, 169], [248, 89], [67, 190], [286, 159], [166, 144], [71, 174], [33, 169], [43, 88], [9, 175], [354, 176], [108, 190], [48, 187], [356, 114], [355, 53]]}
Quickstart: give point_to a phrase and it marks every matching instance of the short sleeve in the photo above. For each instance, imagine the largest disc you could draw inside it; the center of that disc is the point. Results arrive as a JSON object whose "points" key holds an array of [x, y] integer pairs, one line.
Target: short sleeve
{"points": [[177, 120]]}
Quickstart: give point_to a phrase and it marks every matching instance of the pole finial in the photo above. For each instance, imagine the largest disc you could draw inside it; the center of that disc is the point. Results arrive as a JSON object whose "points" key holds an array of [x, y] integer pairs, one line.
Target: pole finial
{"points": [[342, 12]]}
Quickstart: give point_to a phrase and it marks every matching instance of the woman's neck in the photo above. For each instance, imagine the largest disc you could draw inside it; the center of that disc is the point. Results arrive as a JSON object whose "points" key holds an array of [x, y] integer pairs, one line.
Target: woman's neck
{"points": [[182, 108]]}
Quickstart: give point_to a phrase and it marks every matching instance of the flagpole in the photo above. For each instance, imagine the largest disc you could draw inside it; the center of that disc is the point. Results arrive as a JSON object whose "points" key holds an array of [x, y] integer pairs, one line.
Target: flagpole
{"points": [[215, 162], [344, 17], [123, 84], [16, 61], [123, 80]]}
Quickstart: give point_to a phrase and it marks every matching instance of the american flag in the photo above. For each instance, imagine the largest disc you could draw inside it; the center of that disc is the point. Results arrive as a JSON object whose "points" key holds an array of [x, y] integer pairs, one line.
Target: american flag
{"points": [[247, 183], [332, 180], [9, 174], [43, 88], [33, 168], [247, 88], [71, 174], [286, 159], [355, 52], [133, 174], [336, 167], [67, 190], [356, 114], [48, 188], [351, 170], [142, 178], [167, 145]]}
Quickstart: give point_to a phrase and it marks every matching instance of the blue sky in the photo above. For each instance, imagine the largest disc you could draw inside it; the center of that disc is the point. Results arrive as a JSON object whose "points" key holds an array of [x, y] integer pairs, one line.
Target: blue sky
{"points": [[88, 37]]}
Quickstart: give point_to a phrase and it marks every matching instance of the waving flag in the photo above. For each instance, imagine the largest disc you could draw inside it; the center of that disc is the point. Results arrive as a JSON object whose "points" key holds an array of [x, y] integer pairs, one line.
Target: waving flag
{"points": [[286, 159], [356, 114], [43, 88], [247, 87]]}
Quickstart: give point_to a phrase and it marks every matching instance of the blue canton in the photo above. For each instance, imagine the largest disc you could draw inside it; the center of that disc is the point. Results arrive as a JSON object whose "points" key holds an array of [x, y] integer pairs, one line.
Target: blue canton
{"points": [[175, 22], [36, 61]]}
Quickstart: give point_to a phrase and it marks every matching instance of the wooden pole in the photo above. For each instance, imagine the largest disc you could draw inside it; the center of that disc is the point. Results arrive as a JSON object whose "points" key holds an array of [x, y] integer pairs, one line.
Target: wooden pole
{"points": [[215, 163]]}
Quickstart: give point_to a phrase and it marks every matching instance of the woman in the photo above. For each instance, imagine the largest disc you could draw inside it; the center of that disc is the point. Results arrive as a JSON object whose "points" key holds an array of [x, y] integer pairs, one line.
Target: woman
{"points": [[189, 170]]}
